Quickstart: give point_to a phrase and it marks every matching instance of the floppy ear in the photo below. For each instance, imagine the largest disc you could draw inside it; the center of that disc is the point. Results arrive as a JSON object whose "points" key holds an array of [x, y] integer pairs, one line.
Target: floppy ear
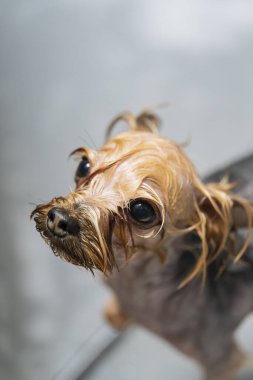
{"points": [[219, 194], [218, 214], [236, 211]]}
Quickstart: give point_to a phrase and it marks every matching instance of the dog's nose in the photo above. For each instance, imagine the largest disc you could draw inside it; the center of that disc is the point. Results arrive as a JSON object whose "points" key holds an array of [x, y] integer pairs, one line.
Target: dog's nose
{"points": [[60, 223]]}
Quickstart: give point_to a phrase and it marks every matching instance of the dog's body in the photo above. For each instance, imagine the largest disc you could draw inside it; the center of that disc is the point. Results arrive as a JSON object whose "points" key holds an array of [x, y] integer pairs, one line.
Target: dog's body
{"points": [[199, 322], [169, 245]]}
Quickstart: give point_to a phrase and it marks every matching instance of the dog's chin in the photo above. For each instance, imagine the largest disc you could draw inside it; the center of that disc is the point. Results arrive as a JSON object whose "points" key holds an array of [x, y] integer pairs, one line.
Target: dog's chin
{"points": [[67, 251], [87, 249]]}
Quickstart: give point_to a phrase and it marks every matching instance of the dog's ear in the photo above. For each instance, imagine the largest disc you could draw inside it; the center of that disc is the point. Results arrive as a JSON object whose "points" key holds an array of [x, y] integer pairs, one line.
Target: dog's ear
{"points": [[217, 201], [240, 214], [146, 121], [217, 215], [219, 194]]}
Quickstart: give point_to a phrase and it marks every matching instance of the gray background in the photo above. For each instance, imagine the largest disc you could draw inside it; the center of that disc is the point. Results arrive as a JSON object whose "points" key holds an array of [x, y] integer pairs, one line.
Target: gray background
{"points": [[66, 68]]}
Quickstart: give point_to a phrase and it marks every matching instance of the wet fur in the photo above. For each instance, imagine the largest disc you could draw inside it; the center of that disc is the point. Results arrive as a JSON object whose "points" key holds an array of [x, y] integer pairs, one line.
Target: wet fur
{"points": [[188, 278]]}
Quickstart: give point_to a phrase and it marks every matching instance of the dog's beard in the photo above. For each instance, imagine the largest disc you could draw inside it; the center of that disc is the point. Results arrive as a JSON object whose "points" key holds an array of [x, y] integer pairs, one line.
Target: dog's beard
{"points": [[91, 247]]}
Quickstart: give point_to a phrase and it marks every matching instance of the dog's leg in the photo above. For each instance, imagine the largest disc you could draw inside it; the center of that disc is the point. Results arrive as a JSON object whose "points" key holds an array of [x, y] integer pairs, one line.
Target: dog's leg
{"points": [[227, 365], [219, 362], [114, 315]]}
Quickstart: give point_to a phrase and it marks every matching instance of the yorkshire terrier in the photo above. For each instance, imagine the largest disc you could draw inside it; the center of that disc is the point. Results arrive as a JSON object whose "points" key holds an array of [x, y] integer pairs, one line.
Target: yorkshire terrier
{"points": [[176, 251]]}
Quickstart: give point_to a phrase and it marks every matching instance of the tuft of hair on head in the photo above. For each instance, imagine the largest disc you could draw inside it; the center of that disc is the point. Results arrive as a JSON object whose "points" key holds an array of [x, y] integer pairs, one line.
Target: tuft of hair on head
{"points": [[146, 121]]}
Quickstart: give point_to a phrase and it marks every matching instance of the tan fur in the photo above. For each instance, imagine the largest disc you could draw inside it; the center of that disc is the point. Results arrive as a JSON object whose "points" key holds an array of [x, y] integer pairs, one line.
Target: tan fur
{"points": [[140, 164], [162, 173], [115, 316]]}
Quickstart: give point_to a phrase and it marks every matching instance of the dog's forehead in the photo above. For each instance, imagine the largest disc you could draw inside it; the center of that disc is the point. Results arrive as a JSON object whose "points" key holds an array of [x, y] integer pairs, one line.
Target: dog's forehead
{"points": [[140, 152], [133, 137], [131, 143], [144, 151], [124, 163], [136, 164]]}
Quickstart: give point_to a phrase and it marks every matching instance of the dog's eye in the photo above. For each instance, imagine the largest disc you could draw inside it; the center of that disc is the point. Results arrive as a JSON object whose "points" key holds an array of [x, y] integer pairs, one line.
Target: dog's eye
{"points": [[83, 168], [142, 212]]}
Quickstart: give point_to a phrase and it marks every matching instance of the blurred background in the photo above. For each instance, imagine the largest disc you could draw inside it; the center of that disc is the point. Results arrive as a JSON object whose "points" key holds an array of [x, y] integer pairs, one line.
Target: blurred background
{"points": [[66, 68]]}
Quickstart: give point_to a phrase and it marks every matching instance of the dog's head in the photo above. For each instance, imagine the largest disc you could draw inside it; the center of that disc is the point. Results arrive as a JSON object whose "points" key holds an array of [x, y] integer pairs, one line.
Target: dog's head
{"points": [[138, 191]]}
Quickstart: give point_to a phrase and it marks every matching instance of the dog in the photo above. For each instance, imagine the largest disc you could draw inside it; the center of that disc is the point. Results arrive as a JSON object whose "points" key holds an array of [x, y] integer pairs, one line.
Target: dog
{"points": [[176, 251]]}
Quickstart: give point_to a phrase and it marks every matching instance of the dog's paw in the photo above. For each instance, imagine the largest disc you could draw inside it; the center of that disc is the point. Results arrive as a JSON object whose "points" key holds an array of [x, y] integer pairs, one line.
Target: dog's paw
{"points": [[114, 315]]}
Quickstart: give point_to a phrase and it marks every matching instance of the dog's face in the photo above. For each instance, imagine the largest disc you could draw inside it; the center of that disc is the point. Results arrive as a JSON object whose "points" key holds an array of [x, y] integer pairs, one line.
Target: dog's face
{"points": [[137, 191], [130, 193]]}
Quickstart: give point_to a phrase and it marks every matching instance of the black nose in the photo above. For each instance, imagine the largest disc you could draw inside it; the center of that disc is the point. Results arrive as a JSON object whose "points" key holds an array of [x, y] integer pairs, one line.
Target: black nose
{"points": [[60, 223]]}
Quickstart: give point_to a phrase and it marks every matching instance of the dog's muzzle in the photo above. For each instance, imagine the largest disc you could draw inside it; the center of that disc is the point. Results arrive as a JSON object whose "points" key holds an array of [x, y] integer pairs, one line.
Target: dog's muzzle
{"points": [[78, 233]]}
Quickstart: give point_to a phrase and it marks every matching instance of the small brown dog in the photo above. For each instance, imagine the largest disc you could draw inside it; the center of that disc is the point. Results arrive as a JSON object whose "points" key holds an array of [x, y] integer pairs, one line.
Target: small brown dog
{"points": [[168, 243]]}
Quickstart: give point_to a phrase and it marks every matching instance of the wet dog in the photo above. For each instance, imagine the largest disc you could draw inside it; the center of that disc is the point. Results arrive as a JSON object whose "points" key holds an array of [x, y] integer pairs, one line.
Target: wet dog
{"points": [[176, 251]]}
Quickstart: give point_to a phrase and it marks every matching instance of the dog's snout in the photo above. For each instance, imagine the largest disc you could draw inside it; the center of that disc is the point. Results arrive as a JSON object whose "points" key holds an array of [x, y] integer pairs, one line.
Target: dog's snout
{"points": [[60, 223]]}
